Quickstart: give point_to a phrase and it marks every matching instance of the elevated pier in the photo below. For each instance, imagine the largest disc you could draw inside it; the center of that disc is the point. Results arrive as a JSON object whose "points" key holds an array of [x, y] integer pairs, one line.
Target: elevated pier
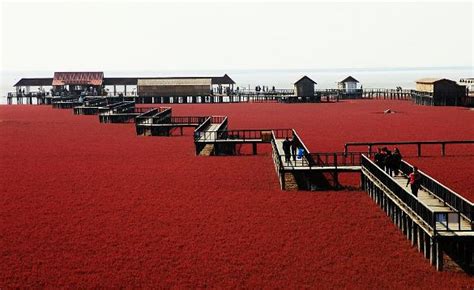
{"points": [[437, 222]]}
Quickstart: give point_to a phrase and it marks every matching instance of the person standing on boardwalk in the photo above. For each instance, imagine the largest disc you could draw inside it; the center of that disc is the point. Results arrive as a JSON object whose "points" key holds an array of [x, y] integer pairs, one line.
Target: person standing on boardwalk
{"points": [[396, 161], [387, 160], [379, 157], [287, 149], [294, 147], [414, 179]]}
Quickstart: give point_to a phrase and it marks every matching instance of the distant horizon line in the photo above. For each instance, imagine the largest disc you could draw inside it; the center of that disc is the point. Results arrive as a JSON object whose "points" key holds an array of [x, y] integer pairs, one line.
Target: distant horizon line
{"points": [[351, 69]]}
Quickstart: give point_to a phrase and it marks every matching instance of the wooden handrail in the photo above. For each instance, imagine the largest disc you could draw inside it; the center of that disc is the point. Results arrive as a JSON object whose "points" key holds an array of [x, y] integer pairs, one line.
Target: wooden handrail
{"points": [[443, 144]]}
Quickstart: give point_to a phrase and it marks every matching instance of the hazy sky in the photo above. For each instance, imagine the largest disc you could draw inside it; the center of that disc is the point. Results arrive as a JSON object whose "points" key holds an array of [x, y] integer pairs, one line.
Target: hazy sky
{"points": [[59, 36]]}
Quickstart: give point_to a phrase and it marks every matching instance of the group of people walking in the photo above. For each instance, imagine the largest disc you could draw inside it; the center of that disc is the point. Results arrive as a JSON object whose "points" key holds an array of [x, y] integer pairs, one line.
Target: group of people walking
{"points": [[391, 161]]}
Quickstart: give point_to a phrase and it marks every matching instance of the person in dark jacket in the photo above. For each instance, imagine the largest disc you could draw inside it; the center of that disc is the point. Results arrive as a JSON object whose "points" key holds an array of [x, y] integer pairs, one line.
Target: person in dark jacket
{"points": [[387, 161], [287, 149], [379, 157], [396, 161], [294, 147]]}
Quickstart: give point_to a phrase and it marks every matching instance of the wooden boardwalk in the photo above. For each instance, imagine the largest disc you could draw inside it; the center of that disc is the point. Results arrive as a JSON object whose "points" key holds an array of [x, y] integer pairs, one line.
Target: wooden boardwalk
{"points": [[437, 205], [436, 226]]}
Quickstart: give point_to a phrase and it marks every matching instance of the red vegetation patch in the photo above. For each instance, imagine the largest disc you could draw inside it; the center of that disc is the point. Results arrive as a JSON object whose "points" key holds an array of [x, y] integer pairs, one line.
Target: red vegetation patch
{"points": [[86, 204]]}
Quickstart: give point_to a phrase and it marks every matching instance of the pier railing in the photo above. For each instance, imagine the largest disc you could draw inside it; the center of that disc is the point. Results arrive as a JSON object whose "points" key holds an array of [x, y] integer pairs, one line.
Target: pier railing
{"points": [[245, 135], [442, 143], [263, 135], [153, 116], [185, 120], [119, 107], [277, 160], [337, 158], [334, 160]]}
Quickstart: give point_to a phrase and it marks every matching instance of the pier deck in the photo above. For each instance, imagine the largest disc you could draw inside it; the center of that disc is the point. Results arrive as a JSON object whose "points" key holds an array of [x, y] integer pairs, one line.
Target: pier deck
{"points": [[457, 224]]}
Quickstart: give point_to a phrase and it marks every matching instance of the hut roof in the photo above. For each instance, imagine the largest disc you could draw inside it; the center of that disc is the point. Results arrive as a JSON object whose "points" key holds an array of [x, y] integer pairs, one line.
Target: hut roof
{"points": [[224, 80], [34, 82], [174, 82], [349, 79], [432, 80], [305, 78], [120, 81], [78, 78]]}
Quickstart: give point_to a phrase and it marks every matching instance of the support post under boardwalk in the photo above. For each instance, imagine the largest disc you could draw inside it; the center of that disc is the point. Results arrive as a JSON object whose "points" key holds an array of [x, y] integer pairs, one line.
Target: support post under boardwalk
{"points": [[254, 148]]}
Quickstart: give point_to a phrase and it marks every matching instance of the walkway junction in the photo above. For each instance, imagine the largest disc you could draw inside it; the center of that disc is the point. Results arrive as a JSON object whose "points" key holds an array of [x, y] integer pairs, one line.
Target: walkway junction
{"points": [[65, 88], [439, 222]]}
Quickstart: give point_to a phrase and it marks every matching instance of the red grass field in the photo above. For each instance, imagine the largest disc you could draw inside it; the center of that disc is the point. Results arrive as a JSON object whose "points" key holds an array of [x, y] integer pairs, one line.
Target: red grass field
{"points": [[85, 204]]}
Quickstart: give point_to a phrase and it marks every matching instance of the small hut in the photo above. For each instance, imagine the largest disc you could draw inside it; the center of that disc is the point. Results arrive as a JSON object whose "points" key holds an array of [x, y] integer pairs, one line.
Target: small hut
{"points": [[348, 85], [438, 92], [304, 87]]}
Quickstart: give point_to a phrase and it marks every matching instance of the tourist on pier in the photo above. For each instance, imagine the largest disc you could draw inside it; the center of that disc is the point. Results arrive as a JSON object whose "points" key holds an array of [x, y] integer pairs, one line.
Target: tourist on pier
{"points": [[379, 157], [387, 162], [414, 179], [287, 149], [396, 160], [294, 147]]}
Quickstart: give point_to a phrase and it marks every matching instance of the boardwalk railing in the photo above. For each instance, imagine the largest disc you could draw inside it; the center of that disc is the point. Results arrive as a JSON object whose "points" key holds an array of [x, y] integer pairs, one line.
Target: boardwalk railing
{"points": [[153, 116], [265, 93], [277, 160], [329, 159], [445, 194], [263, 135], [201, 133], [442, 143], [337, 158], [200, 130], [126, 115], [121, 107], [185, 120], [387, 94]]}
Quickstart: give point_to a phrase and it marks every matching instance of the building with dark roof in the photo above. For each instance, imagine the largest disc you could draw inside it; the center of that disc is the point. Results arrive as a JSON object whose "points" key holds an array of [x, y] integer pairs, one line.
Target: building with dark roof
{"points": [[34, 82], [304, 87], [438, 92]]}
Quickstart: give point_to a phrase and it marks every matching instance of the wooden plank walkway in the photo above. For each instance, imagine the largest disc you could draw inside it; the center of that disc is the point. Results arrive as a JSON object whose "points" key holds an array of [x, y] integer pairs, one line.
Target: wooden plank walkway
{"points": [[303, 163], [210, 134], [436, 205], [292, 163]]}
